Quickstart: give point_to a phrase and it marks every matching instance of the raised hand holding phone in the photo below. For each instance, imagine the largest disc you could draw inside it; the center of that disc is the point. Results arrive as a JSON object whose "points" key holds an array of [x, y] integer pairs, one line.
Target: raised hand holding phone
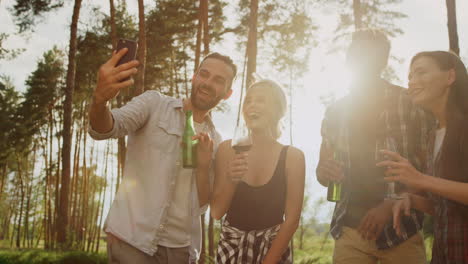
{"points": [[130, 55], [114, 75]]}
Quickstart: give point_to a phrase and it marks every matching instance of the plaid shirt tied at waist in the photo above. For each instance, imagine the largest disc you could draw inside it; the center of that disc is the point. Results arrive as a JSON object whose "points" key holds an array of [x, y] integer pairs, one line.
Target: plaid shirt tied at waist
{"points": [[247, 247]]}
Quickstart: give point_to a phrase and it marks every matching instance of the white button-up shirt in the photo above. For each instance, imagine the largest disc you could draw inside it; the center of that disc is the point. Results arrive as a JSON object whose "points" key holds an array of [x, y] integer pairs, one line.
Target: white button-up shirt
{"points": [[154, 124]]}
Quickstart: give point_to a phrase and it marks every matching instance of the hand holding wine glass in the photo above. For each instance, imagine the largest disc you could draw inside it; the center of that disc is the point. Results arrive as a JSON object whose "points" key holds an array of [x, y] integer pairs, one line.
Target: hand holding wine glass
{"points": [[242, 141], [389, 144], [238, 167]]}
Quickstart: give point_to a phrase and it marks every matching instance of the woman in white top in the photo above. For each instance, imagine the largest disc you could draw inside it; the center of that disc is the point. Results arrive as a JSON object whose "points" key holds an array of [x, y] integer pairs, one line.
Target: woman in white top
{"points": [[438, 82]]}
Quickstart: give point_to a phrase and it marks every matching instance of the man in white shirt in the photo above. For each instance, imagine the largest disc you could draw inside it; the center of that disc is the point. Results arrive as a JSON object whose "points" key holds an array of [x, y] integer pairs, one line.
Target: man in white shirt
{"points": [[155, 216]]}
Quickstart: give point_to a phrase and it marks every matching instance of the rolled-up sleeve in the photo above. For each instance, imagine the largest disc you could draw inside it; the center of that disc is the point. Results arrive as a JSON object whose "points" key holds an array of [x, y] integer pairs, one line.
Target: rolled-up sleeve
{"points": [[130, 117], [101, 136]]}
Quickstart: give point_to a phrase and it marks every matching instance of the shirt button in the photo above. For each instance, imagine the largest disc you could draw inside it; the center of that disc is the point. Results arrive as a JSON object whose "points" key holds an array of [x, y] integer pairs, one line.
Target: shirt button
{"points": [[161, 226]]}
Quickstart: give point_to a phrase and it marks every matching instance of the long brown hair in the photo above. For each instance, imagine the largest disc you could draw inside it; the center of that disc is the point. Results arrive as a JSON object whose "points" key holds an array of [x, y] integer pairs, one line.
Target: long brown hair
{"points": [[453, 163]]}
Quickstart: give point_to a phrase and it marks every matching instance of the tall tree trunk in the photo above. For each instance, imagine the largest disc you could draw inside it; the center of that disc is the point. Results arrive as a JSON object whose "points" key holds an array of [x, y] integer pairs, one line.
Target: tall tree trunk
{"points": [[103, 199], [29, 192], [88, 192], [186, 86], [74, 187], [48, 184], [206, 29], [199, 34], [35, 224], [301, 235], [203, 238], [357, 14], [211, 237], [62, 220], [15, 218], [113, 32], [252, 42], [291, 245], [121, 141], [56, 190], [6, 224], [140, 77], [3, 176], [176, 75], [452, 26], [291, 106], [21, 188], [171, 76]]}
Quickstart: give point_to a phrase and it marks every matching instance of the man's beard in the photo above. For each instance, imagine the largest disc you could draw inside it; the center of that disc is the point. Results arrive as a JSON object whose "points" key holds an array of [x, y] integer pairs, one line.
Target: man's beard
{"points": [[202, 104]]}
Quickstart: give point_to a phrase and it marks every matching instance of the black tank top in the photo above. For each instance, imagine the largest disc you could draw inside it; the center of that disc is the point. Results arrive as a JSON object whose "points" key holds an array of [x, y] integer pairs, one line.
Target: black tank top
{"points": [[256, 208]]}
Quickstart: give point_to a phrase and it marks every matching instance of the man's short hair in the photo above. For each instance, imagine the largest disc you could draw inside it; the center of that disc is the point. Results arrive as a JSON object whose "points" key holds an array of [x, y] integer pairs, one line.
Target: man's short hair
{"points": [[224, 58], [378, 39]]}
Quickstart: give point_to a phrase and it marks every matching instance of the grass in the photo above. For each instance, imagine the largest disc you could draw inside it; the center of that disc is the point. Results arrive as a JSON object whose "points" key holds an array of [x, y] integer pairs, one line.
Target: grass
{"points": [[316, 250], [37, 256]]}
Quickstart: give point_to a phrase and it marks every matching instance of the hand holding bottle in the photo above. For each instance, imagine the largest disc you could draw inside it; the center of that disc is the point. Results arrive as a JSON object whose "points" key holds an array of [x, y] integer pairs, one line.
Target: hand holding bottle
{"points": [[329, 168]]}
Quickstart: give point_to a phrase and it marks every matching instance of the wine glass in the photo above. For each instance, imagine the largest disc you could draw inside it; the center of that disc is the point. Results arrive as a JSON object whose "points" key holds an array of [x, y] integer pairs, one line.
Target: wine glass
{"points": [[389, 144], [242, 141]]}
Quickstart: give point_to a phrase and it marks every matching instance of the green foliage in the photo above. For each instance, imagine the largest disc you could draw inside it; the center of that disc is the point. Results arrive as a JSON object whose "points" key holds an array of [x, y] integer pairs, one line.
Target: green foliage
{"points": [[285, 35], [7, 54], [43, 90], [9, 102], [171, 42], [27, 12], [292, 39], [376, 14], [95, 47], [49, 257]]}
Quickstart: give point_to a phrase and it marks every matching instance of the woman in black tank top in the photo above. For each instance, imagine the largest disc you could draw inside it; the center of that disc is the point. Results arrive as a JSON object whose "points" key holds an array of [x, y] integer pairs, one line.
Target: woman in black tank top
{"points": [[260, 191]]}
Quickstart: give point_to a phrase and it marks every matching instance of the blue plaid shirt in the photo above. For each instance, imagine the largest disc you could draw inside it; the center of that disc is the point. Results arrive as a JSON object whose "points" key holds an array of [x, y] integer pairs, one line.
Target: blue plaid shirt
{"points": [[409, 125]]}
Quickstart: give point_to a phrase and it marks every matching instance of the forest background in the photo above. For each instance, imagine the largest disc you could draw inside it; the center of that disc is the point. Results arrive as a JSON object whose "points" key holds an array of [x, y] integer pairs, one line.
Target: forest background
{"points": [[56, 184]]}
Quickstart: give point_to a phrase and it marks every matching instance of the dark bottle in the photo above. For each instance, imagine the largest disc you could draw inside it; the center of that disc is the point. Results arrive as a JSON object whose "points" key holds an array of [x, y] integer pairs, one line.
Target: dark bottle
{"points": [[189, 146]]}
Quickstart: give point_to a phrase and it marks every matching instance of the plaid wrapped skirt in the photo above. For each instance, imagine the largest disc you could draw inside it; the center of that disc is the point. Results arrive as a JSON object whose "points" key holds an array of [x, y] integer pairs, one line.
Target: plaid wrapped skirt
{"points": [[247, 247]]}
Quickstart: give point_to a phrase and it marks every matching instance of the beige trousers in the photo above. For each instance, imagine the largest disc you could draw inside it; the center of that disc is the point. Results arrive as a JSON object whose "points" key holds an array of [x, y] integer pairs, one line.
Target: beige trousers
{"points": [[119, 252], [351, 248]]}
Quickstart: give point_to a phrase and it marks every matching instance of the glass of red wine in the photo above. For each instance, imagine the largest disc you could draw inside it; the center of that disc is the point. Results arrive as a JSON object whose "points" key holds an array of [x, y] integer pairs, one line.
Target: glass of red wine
{"points": [[241, 141], [390, 144]]}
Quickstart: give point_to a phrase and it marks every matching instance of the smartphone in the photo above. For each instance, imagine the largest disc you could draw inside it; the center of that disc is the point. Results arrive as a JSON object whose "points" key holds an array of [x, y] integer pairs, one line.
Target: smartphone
{"points": [[132, 47]]}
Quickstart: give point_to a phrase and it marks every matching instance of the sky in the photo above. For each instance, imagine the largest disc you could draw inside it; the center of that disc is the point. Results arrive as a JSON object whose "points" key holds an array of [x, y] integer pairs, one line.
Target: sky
{"points": [[424, 29]]}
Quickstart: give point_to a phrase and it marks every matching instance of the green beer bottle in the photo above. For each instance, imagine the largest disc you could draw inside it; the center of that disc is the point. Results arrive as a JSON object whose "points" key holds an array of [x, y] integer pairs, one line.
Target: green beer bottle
{"points": [[189, 146], [334, 188]]}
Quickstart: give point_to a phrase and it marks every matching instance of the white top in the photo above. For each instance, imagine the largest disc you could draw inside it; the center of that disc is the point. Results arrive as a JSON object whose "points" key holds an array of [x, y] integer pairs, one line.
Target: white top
{"points": [[154, 124], [177, 232], [439, 139]]}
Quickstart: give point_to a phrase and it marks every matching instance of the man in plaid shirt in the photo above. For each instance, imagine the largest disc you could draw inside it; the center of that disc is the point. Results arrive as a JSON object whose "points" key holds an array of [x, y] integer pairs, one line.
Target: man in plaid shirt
{"points": [[355, 128]]}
